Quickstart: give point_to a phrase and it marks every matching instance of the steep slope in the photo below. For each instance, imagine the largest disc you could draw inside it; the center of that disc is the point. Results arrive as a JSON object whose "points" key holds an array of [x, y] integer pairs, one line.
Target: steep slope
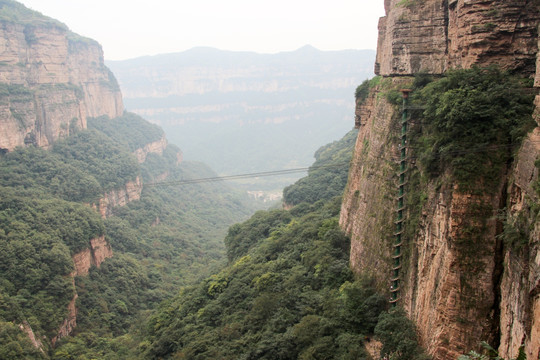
{"points": [[51, 79], [467, 274]]}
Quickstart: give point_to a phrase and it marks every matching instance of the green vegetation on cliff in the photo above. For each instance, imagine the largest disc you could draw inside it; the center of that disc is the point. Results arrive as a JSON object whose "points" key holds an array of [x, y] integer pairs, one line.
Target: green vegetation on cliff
{"points": [[471, 125], [12, 11], [16, 13], [38, 236], [466, 128], [129, 130], [473, 122], [80, 168]]}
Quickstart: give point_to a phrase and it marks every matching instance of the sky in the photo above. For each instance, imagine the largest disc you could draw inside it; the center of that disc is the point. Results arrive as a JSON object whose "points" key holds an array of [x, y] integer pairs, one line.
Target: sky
{"points": [[132, 28]]}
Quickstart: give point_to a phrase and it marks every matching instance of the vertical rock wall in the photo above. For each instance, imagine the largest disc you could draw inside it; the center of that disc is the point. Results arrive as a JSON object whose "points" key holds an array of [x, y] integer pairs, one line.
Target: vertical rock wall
{"points": [[520, 284], [436, 35], [457, 297], [367, 212], [119, 197]]}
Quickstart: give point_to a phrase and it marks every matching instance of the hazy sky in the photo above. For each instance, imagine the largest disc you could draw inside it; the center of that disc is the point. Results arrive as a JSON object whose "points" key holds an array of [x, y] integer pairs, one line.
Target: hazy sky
{"points": [[131, 28]]}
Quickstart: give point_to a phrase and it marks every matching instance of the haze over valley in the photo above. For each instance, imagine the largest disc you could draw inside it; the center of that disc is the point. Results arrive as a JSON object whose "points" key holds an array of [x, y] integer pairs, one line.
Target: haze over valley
{"points": [[243, 112]]}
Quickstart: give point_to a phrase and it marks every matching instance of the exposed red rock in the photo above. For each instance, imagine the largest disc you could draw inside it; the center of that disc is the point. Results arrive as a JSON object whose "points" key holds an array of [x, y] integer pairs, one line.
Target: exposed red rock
{"points": [[98, 251]]}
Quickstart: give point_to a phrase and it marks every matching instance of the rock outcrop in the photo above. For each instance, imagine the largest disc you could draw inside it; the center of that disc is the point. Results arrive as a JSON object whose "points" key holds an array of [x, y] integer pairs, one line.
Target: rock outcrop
{"points": [[51, 80], [98, 251], [27, 329], [156, 147], [94, 255], [119, 197], [456, 300]]}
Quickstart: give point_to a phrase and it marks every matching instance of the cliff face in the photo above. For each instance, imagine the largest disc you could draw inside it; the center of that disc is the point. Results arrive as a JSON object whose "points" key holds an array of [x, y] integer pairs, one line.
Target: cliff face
{"points": [[97, 252], [367, 208], [456, 301], [51, 81], [520, 284], [436, 35]]}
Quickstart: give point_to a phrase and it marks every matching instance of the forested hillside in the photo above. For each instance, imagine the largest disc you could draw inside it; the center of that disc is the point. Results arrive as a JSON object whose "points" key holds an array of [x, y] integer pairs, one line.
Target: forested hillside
{"points": [[170, 237], [287, 291]]}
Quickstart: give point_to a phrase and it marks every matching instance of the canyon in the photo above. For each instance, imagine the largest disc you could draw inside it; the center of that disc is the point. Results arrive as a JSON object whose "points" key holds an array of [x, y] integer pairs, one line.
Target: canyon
{"points": [[52, 81]]}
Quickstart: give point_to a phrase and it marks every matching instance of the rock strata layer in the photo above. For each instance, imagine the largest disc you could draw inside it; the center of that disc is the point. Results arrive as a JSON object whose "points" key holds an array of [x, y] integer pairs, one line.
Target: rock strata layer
{"points": [[436, 35]]}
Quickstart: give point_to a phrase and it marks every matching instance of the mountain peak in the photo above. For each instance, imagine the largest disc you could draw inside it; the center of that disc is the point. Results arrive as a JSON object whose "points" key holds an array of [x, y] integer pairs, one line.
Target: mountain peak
{"points": [[308, 48]]}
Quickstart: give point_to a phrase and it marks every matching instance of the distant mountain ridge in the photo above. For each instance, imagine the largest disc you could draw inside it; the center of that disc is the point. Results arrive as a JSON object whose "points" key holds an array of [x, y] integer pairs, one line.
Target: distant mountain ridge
{"points": [[244, 111], [176, 73]]}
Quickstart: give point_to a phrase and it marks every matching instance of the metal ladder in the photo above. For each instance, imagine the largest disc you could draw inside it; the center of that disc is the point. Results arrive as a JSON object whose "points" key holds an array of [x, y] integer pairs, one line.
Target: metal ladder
{"points": [[398, 242]]}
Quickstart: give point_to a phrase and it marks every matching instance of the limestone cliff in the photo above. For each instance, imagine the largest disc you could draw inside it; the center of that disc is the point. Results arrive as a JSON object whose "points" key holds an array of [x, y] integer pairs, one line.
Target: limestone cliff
{"points": [[51, 79], [455, 301]]}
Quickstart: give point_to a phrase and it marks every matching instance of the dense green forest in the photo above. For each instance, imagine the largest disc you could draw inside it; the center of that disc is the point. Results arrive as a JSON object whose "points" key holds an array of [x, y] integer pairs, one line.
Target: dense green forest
{"points": [[171, 237], [287, 291]]}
